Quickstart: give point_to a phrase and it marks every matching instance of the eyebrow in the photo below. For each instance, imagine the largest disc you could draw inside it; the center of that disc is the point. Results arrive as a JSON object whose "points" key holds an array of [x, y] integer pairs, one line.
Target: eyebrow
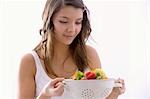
{"points": [[68, 18]]}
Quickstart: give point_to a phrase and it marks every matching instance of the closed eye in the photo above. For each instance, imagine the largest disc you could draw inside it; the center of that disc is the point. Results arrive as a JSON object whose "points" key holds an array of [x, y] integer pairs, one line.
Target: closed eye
{"points": [[78, 23], [64, 22]]}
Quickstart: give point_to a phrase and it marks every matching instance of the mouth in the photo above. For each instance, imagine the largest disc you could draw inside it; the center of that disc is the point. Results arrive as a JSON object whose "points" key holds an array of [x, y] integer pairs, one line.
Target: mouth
{"points": [[68, 36]]}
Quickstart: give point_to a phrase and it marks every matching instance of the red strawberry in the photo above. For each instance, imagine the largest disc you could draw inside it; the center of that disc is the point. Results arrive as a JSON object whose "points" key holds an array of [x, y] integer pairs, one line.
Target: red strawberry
{"points": [[90, 75]]}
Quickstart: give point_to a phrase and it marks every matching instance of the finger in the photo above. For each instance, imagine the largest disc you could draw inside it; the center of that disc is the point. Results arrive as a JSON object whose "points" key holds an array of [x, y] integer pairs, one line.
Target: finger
{"points": [[60, 85], [56, 88], [56, 80], [57, 84], [122, 89], [59, 89], [120, 81], [117, 80]]}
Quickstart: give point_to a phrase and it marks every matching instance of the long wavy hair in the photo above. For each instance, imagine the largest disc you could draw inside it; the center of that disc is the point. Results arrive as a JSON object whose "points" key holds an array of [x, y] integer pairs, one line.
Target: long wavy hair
{"points": [[77, 47]]}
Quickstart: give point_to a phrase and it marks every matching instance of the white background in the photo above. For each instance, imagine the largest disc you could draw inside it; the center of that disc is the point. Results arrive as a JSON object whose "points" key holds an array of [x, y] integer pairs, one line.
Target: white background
{"points": [[121, 29]]}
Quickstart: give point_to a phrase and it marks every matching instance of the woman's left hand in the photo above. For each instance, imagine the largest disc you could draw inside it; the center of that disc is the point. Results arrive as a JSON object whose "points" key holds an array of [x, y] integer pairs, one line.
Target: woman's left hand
{"points": [[117, 90]]}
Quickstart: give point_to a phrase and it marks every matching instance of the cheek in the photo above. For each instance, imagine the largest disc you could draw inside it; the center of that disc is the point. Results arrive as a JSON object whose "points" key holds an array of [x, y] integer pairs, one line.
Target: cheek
{"points": [[78, 29], [58, 28]]}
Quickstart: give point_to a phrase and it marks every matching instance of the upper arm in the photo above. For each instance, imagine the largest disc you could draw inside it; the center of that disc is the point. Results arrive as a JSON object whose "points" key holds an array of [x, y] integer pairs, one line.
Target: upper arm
{"points": [[93, 57], [26, 78]]}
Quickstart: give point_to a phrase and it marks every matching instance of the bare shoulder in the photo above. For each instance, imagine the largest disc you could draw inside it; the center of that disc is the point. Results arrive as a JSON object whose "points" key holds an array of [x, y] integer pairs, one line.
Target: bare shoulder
{"points": [[27, 64], [26, 77], [90, 49], [93, 57]]}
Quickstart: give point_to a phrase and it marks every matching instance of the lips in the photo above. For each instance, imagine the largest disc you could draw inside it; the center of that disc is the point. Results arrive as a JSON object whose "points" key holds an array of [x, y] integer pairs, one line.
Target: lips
{"points": [[69, 36]]}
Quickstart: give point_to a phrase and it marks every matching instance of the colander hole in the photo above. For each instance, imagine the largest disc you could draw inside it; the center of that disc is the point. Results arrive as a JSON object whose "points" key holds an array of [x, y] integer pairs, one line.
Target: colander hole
{"points": [[87, 93]]}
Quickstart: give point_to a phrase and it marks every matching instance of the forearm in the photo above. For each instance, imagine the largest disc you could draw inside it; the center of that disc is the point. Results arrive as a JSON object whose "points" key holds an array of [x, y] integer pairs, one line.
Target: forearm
{"points": [[112, 96], [41, 96]]}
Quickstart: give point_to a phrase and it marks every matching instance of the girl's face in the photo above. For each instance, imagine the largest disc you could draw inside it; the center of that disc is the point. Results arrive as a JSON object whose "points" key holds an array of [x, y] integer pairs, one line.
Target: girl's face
{"points": [[67, 24]]}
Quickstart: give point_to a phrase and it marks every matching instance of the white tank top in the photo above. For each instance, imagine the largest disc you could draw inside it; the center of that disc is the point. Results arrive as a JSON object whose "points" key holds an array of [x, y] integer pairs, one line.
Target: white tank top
{"points": [[41, 78]]}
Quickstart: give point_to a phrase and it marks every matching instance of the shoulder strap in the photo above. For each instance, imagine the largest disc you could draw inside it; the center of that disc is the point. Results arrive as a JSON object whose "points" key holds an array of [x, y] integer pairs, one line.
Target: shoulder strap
{"points": [[39, 68]]}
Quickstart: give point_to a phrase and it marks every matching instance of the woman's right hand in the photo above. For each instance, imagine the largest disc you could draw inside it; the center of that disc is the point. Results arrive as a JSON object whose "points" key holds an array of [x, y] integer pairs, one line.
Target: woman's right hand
{"points": [[53, 88]]}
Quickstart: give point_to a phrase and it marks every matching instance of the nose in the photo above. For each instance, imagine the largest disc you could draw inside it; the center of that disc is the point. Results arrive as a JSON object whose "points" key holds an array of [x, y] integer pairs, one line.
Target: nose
{"points": [[71, 28]]}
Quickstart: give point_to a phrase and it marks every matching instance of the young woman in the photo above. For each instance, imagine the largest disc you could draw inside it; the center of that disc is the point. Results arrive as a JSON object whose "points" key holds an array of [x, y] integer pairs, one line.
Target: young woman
{"points": [[61, 52]]}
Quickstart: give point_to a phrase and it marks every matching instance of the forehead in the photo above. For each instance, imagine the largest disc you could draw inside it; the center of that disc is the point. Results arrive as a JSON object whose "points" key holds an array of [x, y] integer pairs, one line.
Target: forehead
{"points": [[69, 12]]}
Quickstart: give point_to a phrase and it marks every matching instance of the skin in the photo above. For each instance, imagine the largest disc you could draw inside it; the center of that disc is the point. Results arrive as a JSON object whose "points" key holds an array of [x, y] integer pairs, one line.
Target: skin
{"points": [[67, 25]]}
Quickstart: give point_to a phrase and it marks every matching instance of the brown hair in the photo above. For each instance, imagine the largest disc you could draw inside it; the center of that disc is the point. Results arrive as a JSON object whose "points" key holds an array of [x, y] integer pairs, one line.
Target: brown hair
{"points": [[77, 47]]}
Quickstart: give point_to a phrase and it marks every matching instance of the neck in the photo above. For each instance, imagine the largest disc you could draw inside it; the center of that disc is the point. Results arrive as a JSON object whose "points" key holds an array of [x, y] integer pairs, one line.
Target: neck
{"points": [[61, 51]]}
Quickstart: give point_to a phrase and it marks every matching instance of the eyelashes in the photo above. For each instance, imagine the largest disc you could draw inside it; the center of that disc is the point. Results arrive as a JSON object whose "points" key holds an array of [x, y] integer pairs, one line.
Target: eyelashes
{"points": [[65, 22]]}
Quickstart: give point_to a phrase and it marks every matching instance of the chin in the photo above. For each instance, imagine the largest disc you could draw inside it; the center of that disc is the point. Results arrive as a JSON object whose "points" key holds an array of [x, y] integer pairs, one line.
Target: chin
{"points": [[68, 43]]}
